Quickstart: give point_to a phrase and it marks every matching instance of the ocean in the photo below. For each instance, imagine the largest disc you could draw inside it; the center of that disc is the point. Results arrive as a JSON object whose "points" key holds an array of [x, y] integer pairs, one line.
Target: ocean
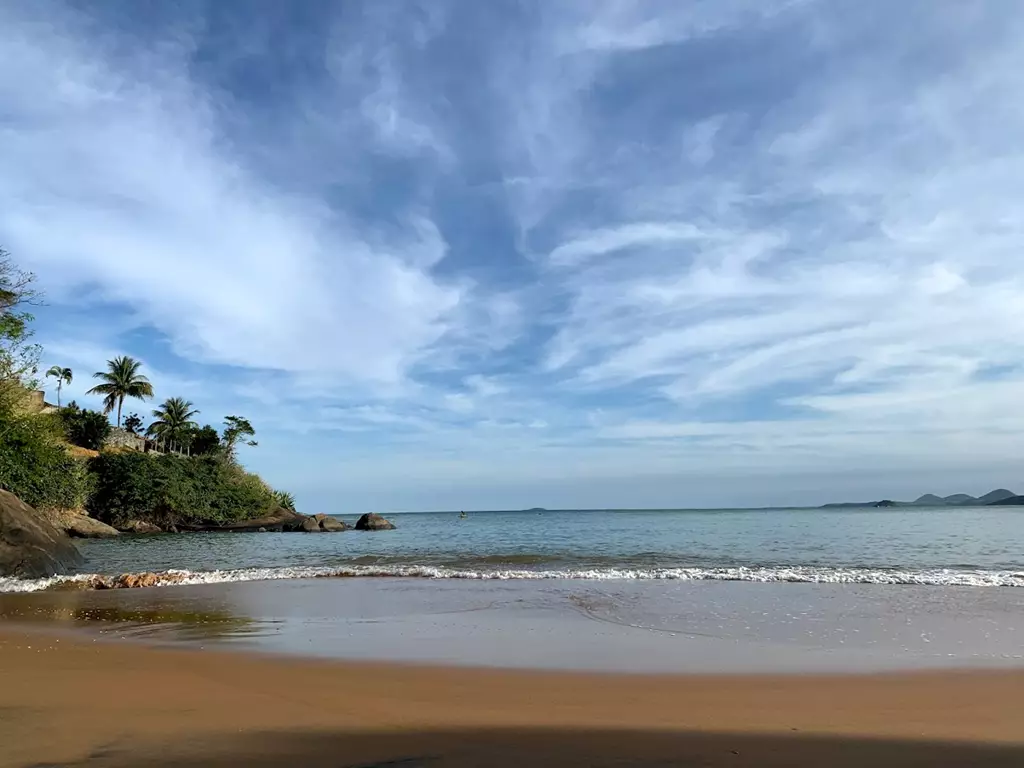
{"points": [[960, 546], [676, 590]]}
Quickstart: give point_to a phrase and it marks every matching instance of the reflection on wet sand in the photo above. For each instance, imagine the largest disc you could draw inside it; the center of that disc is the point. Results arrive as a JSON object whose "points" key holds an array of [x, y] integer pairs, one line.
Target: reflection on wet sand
{"points": [[157, 614]]}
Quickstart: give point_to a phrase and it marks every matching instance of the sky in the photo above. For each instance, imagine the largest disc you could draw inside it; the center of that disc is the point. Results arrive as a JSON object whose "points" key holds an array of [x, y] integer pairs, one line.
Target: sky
{"points": [[467, 255]]}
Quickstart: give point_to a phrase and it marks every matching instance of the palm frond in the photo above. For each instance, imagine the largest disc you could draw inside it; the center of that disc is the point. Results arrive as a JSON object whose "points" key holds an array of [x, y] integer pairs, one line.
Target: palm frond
{"points": [[121, 380]]}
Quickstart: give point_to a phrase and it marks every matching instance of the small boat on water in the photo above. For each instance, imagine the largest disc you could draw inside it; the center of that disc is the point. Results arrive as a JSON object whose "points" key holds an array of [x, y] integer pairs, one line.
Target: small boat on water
{"points": [[462, 515]]}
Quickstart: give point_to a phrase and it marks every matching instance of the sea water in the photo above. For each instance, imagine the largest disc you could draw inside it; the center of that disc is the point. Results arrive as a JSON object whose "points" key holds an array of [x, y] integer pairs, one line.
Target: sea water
{"points": [[667, 590]]}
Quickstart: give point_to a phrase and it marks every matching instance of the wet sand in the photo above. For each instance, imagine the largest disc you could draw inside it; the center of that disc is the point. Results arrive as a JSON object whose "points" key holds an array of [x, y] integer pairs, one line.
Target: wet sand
{"points": [[71, 700], [650, 627]]}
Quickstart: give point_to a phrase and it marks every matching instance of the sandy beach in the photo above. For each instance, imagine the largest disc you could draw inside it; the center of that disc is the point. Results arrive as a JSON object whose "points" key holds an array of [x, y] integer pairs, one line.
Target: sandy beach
{"points": [[67, 699]]}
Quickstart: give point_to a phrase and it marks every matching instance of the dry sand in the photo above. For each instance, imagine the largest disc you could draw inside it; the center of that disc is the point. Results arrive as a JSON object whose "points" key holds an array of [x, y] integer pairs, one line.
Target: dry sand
{"points": [[68, 700]]}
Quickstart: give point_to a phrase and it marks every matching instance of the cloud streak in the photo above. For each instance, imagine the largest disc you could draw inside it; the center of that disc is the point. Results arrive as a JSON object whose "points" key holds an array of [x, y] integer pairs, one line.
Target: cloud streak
{"points": [[537, 240]]}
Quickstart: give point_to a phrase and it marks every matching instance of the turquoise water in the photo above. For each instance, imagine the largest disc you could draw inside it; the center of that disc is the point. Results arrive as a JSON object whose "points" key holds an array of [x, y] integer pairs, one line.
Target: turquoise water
{"points": [[963, 546]]}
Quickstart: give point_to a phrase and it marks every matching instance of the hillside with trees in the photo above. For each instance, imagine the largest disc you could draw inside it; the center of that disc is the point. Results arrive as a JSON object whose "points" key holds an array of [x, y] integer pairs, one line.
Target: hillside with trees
{"points": [[175, 471]]}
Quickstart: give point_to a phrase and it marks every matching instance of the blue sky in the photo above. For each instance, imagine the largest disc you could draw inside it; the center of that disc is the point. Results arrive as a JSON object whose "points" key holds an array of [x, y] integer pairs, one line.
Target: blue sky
{"points": [[506, 254]]}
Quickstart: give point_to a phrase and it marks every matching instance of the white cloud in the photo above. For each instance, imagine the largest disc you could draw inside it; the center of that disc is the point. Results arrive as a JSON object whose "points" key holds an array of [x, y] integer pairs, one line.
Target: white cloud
{"points": [[632, 25], [637, 235], [745, 235], [119, 177]]}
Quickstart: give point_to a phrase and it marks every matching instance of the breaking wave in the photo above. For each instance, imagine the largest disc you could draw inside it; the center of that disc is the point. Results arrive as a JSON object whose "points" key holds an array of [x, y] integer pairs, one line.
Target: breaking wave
{"points": [[942, 577]]}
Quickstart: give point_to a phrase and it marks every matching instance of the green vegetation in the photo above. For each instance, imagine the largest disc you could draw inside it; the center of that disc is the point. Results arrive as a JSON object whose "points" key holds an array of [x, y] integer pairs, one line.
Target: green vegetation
{"points": [[204, 441], [168, 489], [62, 375], [121, 379], [34, 463], [84, 428], [235, 431], [284, 499], [208, 486], [174, 424], [132, 424], [19, 357]]}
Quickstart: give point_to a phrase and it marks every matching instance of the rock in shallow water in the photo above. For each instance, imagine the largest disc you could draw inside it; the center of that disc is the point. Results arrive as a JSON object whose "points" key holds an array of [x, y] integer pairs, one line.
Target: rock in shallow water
{"points": [[374, 522], [30, 547], [79, 525], [135, 580]]}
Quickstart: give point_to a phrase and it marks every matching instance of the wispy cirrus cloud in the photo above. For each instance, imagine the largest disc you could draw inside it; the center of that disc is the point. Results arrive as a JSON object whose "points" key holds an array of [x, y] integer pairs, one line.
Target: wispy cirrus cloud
{"points": [[540, 243]]}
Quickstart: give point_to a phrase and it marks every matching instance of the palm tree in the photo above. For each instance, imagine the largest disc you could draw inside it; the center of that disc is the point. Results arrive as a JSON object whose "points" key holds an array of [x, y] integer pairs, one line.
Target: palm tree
{"points": [[173, 421], [121, 379], [63, 376]]}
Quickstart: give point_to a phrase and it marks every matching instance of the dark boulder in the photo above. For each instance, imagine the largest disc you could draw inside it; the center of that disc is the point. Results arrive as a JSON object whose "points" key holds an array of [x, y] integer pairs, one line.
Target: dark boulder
{"points": [[373, 522], [30, 547]]}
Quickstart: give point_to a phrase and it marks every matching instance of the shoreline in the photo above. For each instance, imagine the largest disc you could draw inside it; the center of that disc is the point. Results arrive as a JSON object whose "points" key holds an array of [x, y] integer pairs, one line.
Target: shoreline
{"points": [[66, 699]]}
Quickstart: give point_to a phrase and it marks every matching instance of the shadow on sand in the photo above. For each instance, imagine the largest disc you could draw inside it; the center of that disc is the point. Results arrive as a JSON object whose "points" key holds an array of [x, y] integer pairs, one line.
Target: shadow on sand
{"points": [[535, 748]]}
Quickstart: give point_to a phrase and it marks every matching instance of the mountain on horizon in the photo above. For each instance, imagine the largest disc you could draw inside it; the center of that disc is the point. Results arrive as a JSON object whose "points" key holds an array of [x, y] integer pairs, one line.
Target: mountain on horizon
{"points": [[960, 498], [998, 496]]}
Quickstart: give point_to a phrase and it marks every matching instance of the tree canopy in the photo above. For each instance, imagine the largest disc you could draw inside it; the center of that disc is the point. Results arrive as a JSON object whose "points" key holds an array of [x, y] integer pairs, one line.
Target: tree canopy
{"points": [[121, 380], [19, 357], [174, 423]]}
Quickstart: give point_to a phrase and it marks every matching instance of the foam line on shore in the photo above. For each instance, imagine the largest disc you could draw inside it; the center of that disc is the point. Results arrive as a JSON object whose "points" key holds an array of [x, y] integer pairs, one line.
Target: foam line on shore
{"points": [[798, 574]]}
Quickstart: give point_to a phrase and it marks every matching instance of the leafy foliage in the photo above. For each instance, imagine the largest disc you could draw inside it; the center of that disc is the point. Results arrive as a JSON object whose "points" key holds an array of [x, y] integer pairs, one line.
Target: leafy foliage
{"points": [[284, 499], [236, 429], [62, 375], [204, 441], [174, 422], [121, 380], [34, 464], [132, 423], [84, 428], [19, 357], [167, 489]]}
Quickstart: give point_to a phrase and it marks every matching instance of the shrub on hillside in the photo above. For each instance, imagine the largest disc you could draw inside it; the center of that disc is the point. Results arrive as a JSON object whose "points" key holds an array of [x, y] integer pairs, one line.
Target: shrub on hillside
{"points": [[169, 489], [85, 428], [204, 441], [34, 464]]}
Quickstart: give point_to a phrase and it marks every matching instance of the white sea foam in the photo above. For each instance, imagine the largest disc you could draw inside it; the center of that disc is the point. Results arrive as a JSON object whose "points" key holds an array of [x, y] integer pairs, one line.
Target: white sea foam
{"points": [[796, 574]]}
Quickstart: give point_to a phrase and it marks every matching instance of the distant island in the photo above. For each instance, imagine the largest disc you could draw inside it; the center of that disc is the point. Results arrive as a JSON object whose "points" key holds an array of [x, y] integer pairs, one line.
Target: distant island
{"points": [[998, 497]]}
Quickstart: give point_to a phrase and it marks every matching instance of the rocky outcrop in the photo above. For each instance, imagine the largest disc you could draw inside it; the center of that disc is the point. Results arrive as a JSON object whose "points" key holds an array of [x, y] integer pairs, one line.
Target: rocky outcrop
{"points": [[374, 522], [141, 526], [279, 520], [331, 525], [30, 547], [323, 523], [79, 525]]}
